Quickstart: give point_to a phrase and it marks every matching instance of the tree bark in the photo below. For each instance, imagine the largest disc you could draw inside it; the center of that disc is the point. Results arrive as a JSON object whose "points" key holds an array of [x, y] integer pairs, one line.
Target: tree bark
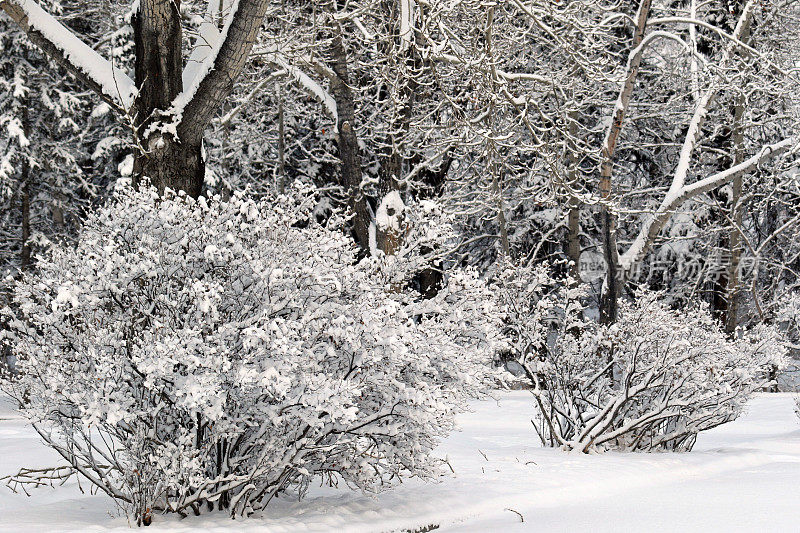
{"points": [[281, 144], [400, 46], [169, 138], [25, 206], [613, 282], [731, 315], [574, 214], [349, 153], [25, 199], [165, 161]]}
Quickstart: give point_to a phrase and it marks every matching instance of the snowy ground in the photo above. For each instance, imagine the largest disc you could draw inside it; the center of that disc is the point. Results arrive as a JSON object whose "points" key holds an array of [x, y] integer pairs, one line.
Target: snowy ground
{"points": [[741, 477]]}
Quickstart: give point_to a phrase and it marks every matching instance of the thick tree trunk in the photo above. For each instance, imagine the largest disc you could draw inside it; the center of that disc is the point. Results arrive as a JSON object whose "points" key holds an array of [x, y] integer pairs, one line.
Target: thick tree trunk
{"points": [[735, 239], [166, 161], [171, 164], [724, 301], [731, 317], [392, 161]]}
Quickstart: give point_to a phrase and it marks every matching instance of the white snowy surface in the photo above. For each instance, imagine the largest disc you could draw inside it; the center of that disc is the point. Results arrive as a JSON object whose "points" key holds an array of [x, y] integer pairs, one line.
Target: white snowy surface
{"points": [[741, 477]]}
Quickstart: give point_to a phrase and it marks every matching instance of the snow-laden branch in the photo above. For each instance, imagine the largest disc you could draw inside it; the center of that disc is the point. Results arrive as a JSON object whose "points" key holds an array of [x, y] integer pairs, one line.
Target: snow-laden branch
{"points": [[703, 107], [192, 109], [626, 90], [406, 30], [206, 43], [63, 46], [230, 115], [679, 192], [693, 22], [314, 89], [678, 196], [196, 71], [311, 87]]}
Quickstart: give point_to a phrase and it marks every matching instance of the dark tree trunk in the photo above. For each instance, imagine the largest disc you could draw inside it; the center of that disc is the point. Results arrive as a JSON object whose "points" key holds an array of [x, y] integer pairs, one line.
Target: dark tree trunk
{"points": [[175, 165], [609, 296], [25, 200], [726, 287], [349, 154], [164, 160], [393, 158]]}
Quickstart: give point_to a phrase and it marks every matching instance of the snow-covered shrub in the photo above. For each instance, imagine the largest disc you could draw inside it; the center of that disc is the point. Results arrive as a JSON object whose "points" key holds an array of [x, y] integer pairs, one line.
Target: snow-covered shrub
{"points": [[211, 354], [651, 381], [788, 319]]}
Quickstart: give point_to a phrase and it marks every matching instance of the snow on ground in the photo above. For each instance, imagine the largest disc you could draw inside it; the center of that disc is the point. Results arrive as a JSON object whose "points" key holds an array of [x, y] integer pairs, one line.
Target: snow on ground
{"points": [[741, 477]]}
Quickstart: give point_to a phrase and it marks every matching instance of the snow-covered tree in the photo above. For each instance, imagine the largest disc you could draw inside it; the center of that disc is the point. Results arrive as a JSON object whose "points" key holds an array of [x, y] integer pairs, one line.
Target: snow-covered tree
{"points": [[56, 144], [170, 100]]}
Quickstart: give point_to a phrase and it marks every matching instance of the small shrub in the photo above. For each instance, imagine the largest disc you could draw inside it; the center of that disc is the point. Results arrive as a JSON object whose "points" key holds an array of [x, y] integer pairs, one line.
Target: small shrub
{"points": [[651, 381], [191, 355]]}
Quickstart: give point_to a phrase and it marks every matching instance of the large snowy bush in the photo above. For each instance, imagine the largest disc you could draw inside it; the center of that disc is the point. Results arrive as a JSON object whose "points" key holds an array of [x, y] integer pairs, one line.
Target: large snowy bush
{"points": [[191, 355], [651, 381]]}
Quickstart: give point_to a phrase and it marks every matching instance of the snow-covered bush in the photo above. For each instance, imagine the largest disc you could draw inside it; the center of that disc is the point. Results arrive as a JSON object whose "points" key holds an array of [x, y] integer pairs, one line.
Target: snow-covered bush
{"points": [[788, 319], [651, 381], [211, 354]]}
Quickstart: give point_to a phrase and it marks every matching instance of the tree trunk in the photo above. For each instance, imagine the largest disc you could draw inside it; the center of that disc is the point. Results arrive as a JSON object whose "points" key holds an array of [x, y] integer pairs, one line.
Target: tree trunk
{"points": [[731, 317], [166, 161], [25, 200], [492, 155], [574, 239], [349, 154], [392, 162], [281, 144], [169, 139], [724, 292], [574, 215], [613, 282], [735, 239], [25, 206], [171, 164]]}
